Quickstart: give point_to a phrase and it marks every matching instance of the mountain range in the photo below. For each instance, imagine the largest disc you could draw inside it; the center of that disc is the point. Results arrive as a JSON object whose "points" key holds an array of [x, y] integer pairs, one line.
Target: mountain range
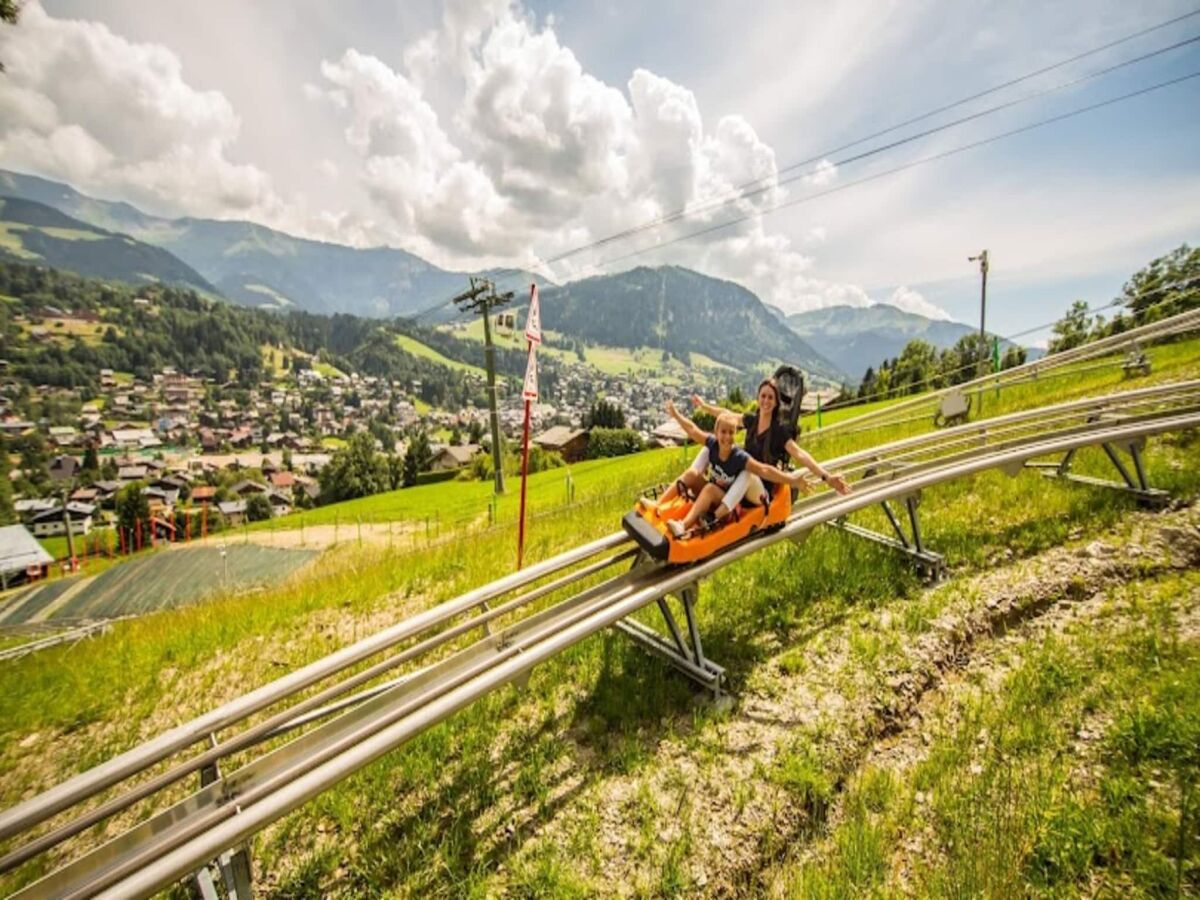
{"points": [[854, 338], [676, 309]]}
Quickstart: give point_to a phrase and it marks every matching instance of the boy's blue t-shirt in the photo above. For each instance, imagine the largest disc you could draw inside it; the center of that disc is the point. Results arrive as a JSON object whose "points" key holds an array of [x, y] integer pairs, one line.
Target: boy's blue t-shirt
{"points": [[723, 472]]}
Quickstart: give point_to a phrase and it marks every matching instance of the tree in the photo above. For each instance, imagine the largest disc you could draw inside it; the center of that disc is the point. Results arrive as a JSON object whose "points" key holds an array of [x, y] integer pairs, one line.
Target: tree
{"points": [[9, 11], [604, 415], [8, 515], [1072, 329], [475, 432], [133, 508], [1166, 286], [258, 507], [1014, 356], [355, 471], [455, 436], [417, 459], [91, 462]]}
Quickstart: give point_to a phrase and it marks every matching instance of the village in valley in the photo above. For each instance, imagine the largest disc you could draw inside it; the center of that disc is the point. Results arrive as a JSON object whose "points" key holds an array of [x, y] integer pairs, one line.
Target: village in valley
{"points": [[207, 456]]}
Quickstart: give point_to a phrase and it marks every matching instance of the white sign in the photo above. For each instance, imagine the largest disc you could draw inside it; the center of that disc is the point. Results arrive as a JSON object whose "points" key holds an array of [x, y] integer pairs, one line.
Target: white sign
{"points": [[533, 322], [530, 391]]}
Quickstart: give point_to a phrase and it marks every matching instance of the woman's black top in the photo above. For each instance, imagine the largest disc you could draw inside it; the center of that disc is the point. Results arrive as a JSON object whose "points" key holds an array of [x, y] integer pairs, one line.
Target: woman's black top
{"points": [[770, 446]]}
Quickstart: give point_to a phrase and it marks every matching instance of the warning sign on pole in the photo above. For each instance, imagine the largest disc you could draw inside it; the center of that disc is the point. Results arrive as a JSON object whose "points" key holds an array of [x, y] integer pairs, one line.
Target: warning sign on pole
{"points": [[530, 391], [533, 322]]}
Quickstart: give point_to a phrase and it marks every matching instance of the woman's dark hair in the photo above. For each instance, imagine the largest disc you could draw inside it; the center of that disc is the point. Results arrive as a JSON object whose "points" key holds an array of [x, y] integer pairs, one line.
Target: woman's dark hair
{"points": [[775, 389]]}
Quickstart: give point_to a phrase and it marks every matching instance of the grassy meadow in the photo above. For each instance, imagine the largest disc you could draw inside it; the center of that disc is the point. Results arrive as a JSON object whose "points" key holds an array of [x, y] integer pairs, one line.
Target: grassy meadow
{"points": [[1025, 728]]}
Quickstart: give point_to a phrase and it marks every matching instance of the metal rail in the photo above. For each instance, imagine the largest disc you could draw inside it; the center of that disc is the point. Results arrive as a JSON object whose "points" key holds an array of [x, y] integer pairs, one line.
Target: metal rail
{"points": [[185, 836], [1171, 326]]}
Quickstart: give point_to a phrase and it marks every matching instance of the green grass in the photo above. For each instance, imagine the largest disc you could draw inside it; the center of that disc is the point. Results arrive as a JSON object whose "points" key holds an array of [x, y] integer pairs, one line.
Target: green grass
{"points": [[456, 504], [416, 348], [1077, 774], [327, 369], [515, 780]]}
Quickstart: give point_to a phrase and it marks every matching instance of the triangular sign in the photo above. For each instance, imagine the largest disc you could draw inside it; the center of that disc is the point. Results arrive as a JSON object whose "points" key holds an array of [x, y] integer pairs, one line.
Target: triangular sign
{"points": [[530, 390], [533, 322]]}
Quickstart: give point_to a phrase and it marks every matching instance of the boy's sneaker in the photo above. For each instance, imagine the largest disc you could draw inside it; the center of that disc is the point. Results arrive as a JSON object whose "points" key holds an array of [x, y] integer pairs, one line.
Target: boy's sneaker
{"points": [[648, 503], [675, 527]]}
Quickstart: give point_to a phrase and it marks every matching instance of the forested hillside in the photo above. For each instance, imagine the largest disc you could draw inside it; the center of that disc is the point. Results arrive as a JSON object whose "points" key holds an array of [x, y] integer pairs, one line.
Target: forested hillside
{"points": [[141, 329]]}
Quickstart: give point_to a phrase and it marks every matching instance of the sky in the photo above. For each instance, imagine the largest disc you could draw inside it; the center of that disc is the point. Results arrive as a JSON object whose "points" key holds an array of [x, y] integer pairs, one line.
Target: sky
{"points": [[505, 133]]}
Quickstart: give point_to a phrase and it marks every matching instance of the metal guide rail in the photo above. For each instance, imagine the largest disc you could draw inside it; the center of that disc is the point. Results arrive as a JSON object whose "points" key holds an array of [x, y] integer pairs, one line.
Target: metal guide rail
{"points": [[359, 727], [1131, 341]]}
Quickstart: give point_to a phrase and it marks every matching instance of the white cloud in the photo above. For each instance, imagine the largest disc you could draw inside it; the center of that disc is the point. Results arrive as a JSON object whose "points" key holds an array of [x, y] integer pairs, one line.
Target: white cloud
{"points": [[907, 299], [491, 144], [117, 118]]}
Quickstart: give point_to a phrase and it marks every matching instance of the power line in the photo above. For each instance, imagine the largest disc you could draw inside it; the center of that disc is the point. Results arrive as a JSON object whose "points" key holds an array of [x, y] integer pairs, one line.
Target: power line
{"points": [[741, 192], [901, 168]]}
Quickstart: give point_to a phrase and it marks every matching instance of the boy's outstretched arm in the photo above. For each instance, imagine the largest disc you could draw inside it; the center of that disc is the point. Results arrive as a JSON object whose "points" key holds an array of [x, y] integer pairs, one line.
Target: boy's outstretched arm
{"points": [[690, 428]]}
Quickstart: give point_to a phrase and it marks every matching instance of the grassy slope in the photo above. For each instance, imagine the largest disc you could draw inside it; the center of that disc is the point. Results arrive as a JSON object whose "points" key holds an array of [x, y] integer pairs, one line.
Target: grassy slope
{"points": [[416, 348], [436, 818]]}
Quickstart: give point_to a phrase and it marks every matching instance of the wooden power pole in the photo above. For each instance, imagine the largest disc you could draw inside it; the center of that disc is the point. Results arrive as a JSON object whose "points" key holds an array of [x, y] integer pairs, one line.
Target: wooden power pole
{"points": [[481, 297]]}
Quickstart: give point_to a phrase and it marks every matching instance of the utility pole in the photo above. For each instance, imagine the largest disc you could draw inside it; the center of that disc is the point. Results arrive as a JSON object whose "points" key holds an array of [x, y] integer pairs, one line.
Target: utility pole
{"points": [[67, 523], [482, 298], [983, 352]]}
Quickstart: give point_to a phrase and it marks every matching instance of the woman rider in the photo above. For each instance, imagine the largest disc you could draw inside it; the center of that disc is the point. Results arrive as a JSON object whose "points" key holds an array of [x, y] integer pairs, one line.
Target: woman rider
{"points": [[770, 439]]}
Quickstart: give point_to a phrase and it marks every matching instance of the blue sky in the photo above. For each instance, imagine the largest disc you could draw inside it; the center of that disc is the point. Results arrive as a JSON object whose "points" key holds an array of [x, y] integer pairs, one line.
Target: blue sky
{"points": [[481, 133]]}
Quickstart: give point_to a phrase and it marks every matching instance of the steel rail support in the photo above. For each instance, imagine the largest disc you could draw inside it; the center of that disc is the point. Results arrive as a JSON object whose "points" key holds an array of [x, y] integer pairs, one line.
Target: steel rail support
{"points": [[688, 659], [931, 566], [1138, 487]]}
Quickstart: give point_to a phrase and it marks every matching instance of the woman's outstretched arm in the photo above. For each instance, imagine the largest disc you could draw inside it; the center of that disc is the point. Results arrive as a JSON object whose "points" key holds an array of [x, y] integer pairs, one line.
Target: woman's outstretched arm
{"points": [[804, 458]]}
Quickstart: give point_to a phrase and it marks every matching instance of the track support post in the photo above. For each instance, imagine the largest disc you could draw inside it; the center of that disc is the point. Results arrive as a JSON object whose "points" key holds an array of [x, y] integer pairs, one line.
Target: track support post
{"points": [[233, 865], [930, 565], [683, 651], [1132, 482]]}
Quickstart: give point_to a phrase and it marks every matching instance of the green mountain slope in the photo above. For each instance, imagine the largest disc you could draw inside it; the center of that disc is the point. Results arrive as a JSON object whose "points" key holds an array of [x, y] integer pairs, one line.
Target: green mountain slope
{"points": [[857, 337], [31, 232], [262, 267], [682, 312]]}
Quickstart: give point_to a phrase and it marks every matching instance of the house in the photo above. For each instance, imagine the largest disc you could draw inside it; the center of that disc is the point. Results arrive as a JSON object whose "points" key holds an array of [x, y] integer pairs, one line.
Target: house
{"points": [[234, 511], [86, 495], [28, 507], [22, 558], [132, 473], [203, 495], [284, 482], [572, 443], [453, 457], [246, 487], [670, 431], [64, 468], [52, 521], [106, 492]]}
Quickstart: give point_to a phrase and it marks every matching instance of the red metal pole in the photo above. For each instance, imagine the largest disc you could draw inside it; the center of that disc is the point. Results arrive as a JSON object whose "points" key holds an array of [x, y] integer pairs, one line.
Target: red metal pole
{"points": [[524, 476]]}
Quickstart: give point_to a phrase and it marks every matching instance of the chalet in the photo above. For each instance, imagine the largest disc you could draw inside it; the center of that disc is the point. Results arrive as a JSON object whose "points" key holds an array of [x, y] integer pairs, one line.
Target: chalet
{"points": [[52, 521], [132, 473], [166, 498], [204, 495], [64, 468], [670, 432], [15, 426], [86, 495], [28, 507], [234, 511], [453, 457], [246, 487], [572, 443], [105, 489], [284, 482]]}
